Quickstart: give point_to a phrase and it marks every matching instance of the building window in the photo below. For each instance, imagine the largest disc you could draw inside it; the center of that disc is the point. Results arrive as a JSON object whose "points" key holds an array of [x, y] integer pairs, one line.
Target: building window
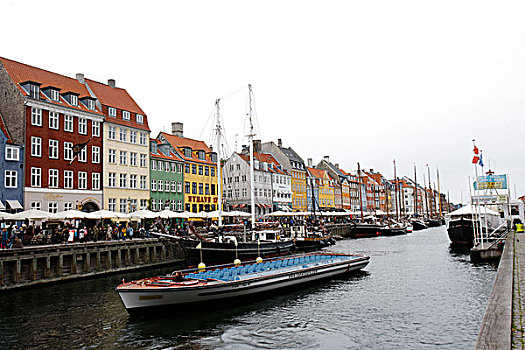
{"points": [[36, 177], [34, 91], [12, 153], [187, 168], [10, 179], [36, 116], [125, 115], [179, 205], [112, 204], [36, 146], [212, 171], [68, 123], [173, 167], [112, 180], [179, 168], [133, 159], [153, 204], [179, 187], [53, 149], [123, 180], [53, 178], [68, 205], [112, 112], [122, 134], [161, 186], [194, 188], [153, 184], [133, 181], [133, 136], [123, 157], [82, 180], [187, 187], [90, 104], [161, 165], [142, 182], [36, 205], [112, 134], [167, 167], [132, 205], [53, 120], [82, 156], [52, 207], [207, 189], [112, 156], [143, 160], [74, 100], [95, 154], [82, 126], [142, 138], [201, 188], [206, 171], [200, 170], [95, 128], [140, 118], [95, 181], [194, 169], [213, 189], [153, 165], [68, 179], [143, 204], [123, 205]]}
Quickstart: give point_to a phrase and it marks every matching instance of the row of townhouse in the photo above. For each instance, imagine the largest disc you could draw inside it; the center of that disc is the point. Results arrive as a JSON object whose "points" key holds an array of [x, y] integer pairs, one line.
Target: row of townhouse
{"points": [[77, 143]]}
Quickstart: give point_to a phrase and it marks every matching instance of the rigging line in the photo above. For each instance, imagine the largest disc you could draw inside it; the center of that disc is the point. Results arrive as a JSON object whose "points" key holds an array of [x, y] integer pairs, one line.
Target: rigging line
{"points": [[234, 92], [212, 112]]}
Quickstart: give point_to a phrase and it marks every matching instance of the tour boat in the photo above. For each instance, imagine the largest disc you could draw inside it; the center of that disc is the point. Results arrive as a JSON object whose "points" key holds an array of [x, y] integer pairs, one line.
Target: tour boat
{"points": [[310, 238], [228, 281]]}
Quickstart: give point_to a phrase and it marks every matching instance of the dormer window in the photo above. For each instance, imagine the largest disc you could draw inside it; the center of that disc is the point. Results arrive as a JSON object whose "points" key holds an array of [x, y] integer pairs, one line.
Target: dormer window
{"points": [[153, 147], [55, 96], [201, 155], [125, 115], [140, 118], [34, 91], [112, 111], [74, 100], [90, 104], [187, 152]]}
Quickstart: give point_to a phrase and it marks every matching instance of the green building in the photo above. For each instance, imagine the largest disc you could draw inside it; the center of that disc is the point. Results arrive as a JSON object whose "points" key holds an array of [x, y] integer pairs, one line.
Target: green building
{"points": [[167, 177]]}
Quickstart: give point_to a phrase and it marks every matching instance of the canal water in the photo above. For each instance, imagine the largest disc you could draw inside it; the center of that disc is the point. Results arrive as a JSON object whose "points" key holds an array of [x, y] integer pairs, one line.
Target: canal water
{"points": [[416, 293]]}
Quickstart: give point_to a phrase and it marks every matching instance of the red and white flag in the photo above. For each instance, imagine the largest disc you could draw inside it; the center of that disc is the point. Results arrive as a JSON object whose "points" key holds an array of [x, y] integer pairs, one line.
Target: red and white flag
{"points": [[475, 160]]}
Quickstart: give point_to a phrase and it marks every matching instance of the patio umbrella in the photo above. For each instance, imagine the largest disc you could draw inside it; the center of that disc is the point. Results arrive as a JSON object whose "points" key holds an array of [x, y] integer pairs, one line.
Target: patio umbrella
{"points": [[72, 214], [33, 214], [168, 214], [5, 216], [106, 214], [143, 214]]}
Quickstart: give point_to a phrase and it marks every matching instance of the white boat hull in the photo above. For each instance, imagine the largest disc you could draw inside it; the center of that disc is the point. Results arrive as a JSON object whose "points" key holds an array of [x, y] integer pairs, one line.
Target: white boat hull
{"points": [[135, 299]]}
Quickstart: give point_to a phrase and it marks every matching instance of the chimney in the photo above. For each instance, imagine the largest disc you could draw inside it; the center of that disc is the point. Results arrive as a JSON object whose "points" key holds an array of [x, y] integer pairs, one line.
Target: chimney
{"points": [[337, 165], [80, 78], [327, 158], [257, 146], [111, 83], [177, 129], [310, 162], [279, 142]]}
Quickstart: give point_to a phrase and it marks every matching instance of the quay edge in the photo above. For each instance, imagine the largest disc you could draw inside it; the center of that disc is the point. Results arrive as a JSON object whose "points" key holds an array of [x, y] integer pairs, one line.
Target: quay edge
{"points": [[32, 266]]}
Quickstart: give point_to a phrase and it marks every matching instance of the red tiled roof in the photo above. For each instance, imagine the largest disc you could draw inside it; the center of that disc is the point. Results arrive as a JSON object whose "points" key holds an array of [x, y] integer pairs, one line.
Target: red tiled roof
{"points": [[4, 129], [195, 145], [20, 72], [317, 172], [265, 158], [159, 154], [120, 99]]}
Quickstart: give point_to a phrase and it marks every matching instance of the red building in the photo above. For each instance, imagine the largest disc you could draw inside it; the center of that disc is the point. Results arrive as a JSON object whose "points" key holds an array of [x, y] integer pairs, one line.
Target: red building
{"points": [[60, 124]]}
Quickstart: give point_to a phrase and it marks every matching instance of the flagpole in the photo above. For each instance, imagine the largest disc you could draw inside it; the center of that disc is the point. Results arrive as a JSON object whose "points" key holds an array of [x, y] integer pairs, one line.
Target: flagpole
{"points": [[474, 221], [478, 212]]}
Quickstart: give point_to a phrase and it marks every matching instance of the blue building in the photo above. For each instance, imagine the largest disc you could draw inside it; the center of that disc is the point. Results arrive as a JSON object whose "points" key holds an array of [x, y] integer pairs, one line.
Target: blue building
{"points": [[11, 172]]}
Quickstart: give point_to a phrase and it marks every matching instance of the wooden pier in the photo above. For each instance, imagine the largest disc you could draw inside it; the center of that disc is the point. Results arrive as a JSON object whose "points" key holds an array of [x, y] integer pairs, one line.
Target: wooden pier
{"points": [[52, 263], [503, 326]]}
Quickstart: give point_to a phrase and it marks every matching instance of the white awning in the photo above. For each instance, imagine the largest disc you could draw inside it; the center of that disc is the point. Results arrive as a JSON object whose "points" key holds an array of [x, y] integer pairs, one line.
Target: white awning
{"points": [[2, 206], [14, 204]]}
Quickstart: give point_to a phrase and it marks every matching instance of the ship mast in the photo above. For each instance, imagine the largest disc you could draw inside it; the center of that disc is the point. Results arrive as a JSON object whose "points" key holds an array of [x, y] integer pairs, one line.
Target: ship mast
{"points": [[415, 191], [360, 194], [439, 193], [219, 175], [396, 186], [252, 165]]}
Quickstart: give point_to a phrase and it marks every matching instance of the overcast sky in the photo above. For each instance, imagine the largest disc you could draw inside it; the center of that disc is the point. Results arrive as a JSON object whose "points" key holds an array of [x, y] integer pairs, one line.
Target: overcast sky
{"points": [[359, 81]]}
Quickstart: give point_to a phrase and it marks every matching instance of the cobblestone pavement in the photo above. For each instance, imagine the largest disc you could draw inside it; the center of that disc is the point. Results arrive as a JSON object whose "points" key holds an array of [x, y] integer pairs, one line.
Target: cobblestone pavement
{"points": [[518, 300]]}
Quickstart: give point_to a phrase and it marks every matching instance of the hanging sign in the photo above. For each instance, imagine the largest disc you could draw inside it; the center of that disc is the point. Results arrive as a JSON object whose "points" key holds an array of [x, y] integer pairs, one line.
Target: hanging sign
{"points": [[489, 182], [490, 199]]}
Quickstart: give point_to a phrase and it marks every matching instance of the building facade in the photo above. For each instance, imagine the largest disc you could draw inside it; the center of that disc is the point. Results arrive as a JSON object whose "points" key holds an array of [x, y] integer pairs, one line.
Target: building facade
{"points": [[167, 177], [11, 172], [59, 122], [126, 147]]}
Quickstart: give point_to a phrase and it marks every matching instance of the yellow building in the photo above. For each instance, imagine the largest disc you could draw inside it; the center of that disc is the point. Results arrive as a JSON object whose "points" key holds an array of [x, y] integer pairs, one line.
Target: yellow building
{"points": [[200, 170], [125, 149], [325, 186], [299, 197]]}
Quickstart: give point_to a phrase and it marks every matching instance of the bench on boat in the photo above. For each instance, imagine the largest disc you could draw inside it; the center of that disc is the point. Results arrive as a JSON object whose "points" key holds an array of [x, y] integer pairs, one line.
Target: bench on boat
{"points": [[232, 273]]}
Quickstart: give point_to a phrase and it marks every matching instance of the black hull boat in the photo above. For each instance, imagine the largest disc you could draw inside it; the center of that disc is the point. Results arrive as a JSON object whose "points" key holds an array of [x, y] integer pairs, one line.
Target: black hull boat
{"points": [[313, 244], [461, 232], [227, 252], [434, 223], [418, 225], [363, 230], [393, 231]]}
